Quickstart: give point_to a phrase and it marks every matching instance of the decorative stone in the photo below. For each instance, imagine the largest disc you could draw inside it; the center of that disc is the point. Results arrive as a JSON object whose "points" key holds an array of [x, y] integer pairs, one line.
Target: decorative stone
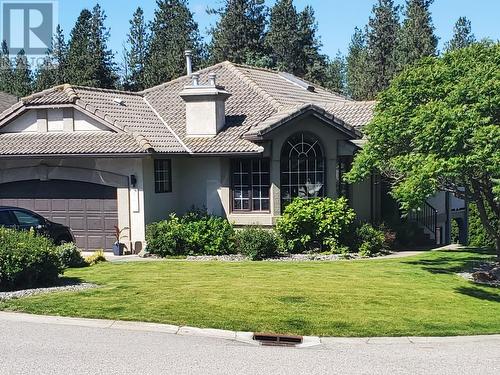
{"points": [[482, 276]]}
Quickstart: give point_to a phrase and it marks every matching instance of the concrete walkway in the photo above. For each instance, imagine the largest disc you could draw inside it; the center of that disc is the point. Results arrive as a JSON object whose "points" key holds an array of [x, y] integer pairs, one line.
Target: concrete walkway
{"points": [[56, 345]]}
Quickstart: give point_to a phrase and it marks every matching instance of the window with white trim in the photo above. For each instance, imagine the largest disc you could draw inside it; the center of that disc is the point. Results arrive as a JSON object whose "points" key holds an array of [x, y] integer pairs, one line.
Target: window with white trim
{"points": [[250, 184], [163, 175]]}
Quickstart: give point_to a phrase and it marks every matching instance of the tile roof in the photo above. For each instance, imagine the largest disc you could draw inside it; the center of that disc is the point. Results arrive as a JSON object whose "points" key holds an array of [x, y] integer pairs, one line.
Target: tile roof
{"points": [[68, 143], [155, 118]]}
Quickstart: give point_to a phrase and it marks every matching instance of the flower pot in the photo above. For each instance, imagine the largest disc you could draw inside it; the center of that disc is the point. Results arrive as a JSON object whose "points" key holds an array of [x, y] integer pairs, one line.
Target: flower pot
{"points": [[118, 248]]}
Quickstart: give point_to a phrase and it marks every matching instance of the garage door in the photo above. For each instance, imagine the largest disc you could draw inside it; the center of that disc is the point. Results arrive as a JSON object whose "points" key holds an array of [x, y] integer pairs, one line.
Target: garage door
{"points": [[90, 210]]}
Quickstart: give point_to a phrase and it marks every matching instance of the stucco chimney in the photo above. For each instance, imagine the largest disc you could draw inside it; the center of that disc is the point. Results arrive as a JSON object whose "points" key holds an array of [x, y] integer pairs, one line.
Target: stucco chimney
{"points": [[205, 107]]}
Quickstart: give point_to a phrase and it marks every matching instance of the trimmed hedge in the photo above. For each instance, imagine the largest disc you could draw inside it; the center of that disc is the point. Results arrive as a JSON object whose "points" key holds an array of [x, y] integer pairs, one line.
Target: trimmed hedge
{"points": [[70, 256], [257, 243], [196, 233], [27, 260], [315, 224]]}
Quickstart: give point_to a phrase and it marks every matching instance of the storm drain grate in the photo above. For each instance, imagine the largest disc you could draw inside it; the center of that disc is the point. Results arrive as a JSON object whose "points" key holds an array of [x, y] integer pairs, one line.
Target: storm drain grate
{"points": [[273, 339]]}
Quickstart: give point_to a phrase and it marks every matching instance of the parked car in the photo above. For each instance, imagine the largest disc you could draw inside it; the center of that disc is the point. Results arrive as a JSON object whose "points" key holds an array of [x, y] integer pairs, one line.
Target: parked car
{"points": [[22, 219]]}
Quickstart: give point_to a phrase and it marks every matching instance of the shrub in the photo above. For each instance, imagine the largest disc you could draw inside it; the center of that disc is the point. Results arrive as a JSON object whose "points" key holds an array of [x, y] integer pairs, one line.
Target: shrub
{"points": [[27, 260], [70, 256], [314, 223], [196, 233], [371, 240], [257, 243], [95, 258]]}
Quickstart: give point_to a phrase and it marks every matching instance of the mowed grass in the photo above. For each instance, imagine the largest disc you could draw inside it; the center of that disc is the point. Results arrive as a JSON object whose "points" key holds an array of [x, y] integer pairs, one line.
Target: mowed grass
{"points": [[420, 295]]}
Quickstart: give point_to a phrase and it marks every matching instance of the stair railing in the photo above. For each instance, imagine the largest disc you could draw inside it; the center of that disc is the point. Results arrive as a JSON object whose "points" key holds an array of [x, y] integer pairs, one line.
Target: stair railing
{"points": [[426, 216]]}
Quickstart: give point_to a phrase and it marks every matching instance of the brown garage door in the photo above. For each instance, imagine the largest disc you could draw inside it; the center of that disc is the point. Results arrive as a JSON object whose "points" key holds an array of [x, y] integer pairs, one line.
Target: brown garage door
{"points": [[90, 210]]}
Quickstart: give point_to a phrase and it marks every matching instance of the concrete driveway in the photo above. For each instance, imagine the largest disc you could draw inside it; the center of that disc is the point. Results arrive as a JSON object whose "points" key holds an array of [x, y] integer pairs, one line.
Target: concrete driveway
{"points": [[32, 345]]}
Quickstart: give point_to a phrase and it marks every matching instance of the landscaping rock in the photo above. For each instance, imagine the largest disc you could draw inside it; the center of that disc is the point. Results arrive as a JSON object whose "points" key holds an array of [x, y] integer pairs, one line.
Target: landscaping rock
{"points": [[482, 276], [495, 273], [68, 287]]}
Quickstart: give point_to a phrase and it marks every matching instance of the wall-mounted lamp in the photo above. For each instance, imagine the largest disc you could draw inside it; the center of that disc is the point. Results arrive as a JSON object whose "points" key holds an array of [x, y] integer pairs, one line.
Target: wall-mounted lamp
{"points": [[133, 180]]}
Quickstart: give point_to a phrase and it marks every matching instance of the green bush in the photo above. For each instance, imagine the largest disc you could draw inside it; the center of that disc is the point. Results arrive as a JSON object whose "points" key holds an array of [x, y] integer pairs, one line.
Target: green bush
{"points": [[70, 256], [95, 258], [477, 234], [257, 243], [27, 260], [314, 224], [371, 240], [196, 233]]}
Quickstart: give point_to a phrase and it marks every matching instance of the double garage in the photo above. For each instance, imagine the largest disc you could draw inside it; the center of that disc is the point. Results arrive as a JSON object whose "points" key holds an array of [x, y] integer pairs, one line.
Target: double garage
{"points": [[90, 210]]}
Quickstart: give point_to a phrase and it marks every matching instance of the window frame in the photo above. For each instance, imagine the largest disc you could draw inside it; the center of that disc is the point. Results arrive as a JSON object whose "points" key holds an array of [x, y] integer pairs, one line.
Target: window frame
{"points": [[157, 163], [251, 186]]}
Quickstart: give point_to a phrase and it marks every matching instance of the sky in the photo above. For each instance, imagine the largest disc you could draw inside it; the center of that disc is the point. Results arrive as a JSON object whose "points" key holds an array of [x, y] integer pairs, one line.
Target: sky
{"points": [[336, 18]]}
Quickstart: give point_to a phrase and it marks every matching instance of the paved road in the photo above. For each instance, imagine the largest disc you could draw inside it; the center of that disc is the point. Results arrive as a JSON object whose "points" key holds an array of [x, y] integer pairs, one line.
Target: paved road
{"points": [[27, 347]]}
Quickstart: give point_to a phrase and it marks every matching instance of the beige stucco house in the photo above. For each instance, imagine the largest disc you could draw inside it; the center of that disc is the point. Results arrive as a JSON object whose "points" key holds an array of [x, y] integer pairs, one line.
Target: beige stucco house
{"points": [[239, 141]]}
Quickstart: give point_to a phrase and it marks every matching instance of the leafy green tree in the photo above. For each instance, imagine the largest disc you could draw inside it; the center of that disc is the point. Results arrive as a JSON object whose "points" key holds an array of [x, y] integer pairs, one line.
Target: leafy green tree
{"points": [[462, 35], [416, 38], [90, 61], [6, 73], [238, 35], [172, 32], [437, 127], [22, 80], [136, 53], [382, 30], [53, 70], [357, 77], [282, 39]]}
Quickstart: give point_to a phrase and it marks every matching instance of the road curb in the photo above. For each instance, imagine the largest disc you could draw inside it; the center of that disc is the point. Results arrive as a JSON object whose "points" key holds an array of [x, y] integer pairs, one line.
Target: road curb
{"points": [[241, 337]]}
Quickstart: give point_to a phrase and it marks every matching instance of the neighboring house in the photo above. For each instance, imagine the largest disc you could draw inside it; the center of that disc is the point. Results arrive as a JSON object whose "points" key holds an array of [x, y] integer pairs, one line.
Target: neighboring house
{"points": [[241, 142]]}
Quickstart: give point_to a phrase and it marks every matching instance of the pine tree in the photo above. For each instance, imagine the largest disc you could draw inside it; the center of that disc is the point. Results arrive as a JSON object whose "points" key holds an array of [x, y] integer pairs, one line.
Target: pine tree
{"points": [[135, 54], [357, 77], [239, 33], [282, 39], [22, 78], [382, 30], [416, 38], [90, 62], [172, 32], [6, 73], [311, 63], [53, 70], [336, 74], [462, 35]]}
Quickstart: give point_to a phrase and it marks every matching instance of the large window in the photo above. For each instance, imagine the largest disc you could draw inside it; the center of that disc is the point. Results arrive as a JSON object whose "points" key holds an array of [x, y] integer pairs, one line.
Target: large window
{"points": [[302, 168], [163, 176], [250, 182]]}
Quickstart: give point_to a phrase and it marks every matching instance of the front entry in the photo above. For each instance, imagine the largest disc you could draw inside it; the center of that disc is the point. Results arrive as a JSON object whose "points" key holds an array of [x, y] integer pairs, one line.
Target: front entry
{"points": [[90, 210]]}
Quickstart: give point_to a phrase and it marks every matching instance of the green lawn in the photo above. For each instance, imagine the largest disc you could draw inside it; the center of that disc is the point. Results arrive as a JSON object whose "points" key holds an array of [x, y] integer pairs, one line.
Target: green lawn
{"points": [[409, 296]]}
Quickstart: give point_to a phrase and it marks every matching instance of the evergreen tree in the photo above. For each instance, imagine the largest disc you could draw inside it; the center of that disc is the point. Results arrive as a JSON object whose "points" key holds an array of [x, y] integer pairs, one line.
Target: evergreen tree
{"points": [[6, 73], [238, 35], [282, 39], [90, 62], [311, 63], [336, 74], [22, 77], [53, 70], [382, 30], [416, 38], [135, 54], [357, 77], [462, 35], [172, 32]]}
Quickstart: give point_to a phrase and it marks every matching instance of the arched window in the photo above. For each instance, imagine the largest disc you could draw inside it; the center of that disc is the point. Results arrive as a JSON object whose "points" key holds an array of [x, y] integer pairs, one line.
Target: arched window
{"points": [[302, 168]]}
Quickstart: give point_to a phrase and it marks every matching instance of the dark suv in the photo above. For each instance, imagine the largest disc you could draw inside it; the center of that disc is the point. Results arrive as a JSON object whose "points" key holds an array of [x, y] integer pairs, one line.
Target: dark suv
{"points": [[22, 219]]}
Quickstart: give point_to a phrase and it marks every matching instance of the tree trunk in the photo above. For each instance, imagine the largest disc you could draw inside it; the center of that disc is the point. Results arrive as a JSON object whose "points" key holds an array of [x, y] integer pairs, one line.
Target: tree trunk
{"points": [[492, 232]]}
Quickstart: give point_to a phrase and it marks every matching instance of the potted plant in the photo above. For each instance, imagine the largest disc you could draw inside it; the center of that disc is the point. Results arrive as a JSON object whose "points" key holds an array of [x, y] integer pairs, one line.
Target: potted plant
{"points": [[119, 247]]}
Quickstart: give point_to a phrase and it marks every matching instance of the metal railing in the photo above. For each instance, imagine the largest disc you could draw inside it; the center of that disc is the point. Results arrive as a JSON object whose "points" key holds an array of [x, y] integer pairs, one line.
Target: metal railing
{"points": [[425, 216]]}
